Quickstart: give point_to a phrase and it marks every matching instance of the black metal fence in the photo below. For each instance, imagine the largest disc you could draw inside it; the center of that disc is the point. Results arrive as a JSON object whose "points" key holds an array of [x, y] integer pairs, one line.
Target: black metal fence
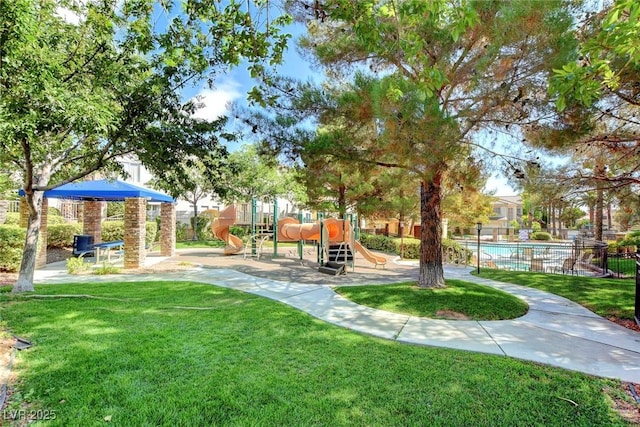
{"points": [[637, 309], [581, 257], [622, 263]]}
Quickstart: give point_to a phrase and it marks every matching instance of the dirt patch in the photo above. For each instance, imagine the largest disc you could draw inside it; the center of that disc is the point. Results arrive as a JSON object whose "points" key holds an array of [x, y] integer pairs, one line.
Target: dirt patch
{"points": [[58, 254], [627, 323], [626, 406], [451, 315]]}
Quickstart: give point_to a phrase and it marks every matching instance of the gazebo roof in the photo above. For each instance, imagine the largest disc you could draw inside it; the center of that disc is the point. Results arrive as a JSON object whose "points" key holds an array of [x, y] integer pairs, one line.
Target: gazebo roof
{"points": [[103, 189]]}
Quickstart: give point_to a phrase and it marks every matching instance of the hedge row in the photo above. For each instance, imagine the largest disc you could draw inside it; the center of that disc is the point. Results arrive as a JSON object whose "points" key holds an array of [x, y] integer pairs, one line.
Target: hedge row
{"points": [[11, 247], [114, 230], [540, 235], [61, 235], [411, 246]]}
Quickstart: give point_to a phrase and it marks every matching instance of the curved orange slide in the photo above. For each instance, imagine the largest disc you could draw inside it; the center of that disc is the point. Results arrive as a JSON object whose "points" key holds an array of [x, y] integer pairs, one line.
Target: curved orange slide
{"points": [[220, 228]]}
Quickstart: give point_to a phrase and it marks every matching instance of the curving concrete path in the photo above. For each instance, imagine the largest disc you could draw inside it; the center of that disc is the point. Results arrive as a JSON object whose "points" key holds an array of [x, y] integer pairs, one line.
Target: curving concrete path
{"points": [[555, 331]]}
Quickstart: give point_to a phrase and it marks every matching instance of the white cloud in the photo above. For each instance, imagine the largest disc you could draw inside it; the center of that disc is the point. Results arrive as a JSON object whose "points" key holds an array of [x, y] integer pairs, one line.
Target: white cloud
{"points": [[499, 184], [68, 15], [215, 102]]}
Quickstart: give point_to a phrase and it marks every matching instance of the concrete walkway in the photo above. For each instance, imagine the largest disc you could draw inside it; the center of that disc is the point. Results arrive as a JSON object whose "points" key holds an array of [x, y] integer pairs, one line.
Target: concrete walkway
{"points": [[555, 331]]}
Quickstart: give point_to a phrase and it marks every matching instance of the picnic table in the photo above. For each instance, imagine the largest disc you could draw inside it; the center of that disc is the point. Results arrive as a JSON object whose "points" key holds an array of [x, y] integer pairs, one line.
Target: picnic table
{"points": [[106, 248]]}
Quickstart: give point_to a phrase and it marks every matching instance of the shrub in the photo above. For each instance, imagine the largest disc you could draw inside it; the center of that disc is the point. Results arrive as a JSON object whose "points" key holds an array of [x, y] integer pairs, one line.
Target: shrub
{"points": [[114, 230], [535, 226], [61, 235], [239, 231], [106, 269], [13, 218], [51, 211], [412, 247], [152, 232], [76, 265], [11, 247], [541, 235], [378, 243], [631, 239], [202, 226], [55, 219], [182, 232]]}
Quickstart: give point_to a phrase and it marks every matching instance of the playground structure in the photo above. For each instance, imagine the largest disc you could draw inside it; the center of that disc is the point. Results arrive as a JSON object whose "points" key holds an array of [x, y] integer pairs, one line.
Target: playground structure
{"points": [[336, 238], [220, 228], [336, 235]]}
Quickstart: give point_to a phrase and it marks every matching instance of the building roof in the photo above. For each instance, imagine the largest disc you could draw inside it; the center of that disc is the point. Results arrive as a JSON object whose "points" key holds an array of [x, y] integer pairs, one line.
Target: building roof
{"points": [[515, 200]]}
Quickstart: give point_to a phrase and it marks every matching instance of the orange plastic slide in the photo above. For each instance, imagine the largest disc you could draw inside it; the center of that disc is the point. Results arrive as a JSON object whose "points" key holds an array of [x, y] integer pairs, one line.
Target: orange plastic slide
{"points": [[290, 230], [370, 256], [220, 228]]}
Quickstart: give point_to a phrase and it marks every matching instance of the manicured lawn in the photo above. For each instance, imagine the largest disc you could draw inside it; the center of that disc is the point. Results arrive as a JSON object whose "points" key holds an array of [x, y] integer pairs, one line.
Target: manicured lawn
{"points": [[624, 266], [185, 354], [605, 297], [474, 301]]}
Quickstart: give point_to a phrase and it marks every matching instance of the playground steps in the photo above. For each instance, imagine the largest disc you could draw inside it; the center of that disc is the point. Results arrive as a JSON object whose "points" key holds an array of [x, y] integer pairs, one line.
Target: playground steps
{"points": [[340, 253], [332, 268]]}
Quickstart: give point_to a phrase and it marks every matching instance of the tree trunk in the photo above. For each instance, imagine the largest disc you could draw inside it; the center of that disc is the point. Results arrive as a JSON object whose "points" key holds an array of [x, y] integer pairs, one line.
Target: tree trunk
{"points": [[342, 201], [431, 273], [28, 264], [599, 209], [599, 172], [195, 220]]}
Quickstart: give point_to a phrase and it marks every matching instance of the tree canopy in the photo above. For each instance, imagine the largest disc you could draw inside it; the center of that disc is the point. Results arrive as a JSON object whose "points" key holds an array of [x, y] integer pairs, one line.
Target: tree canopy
{"points": [[83, 83], [426, 78]]}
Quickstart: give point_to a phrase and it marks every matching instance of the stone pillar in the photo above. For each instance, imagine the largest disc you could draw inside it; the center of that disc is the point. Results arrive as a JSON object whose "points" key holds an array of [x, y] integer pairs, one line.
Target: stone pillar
{"points": [[92, 224], [445, 227], [135, 215], [81, 212], [41, 258], [167, 229], [24, 212]]}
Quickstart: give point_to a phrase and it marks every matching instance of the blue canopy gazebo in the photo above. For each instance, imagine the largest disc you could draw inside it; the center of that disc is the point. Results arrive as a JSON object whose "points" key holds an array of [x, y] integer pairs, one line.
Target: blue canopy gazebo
{"points": [[94, 193], [105, 190]]}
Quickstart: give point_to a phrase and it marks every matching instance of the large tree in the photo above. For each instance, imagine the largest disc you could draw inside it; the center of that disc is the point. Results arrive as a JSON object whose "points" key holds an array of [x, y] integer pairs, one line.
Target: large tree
{"points": [[255, 177], [83, 82], [197, 178], [432, 74], [598, 99]]}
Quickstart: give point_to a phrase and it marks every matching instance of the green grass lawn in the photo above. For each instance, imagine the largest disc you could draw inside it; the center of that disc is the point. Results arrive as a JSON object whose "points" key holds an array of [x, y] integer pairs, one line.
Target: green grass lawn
{"points": [[625, 266], [185, 354], [605, 297], [474, 301]]}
